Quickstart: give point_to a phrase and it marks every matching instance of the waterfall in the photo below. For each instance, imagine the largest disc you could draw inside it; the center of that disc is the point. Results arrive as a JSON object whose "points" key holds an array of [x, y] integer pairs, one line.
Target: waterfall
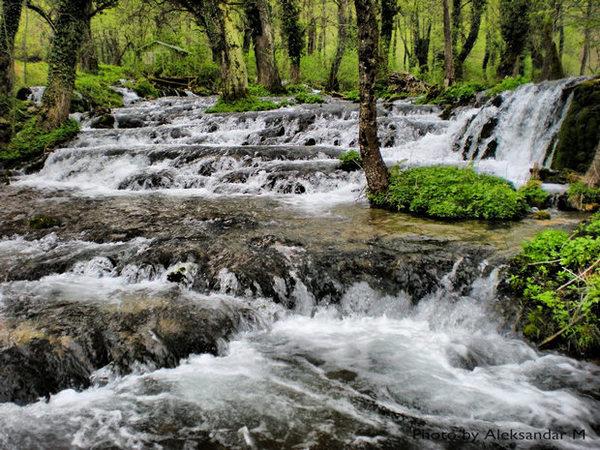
{"points": [[516, 131]]}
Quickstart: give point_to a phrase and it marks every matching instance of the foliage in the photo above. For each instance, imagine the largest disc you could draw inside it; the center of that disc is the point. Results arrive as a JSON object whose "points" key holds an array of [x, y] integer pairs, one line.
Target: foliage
{"points": [[451, 193], [97, 89], [41, 222], [557, 276], [353, 95], [582, 196], [32, 140], [245, 104], [350, 161], [37, 74], [507, 84], [534, 195], [305, 97], [144, 88], [257, 90], [458, 94]]}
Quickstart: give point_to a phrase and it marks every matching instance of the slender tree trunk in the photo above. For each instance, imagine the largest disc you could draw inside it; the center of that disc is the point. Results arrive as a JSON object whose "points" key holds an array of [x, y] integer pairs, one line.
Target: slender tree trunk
{"points": [[552, 67], [477, 8], [323, 33], [62, 61], [9, 24], [514, 26], [259, 18], [456, 22], [389, 9], [592, 176], [375, 169], [332, 80], [448, 53], [88, 59], [587, 38], [294, 34]]}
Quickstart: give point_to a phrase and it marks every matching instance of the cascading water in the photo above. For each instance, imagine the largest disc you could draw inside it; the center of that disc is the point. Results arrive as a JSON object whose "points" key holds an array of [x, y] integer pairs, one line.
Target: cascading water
{"points": [[327, 326]]}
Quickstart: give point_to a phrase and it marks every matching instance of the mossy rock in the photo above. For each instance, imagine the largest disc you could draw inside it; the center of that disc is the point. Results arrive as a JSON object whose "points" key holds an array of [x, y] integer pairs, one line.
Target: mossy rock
{"points": [[580, 131], [541, 215], [41, 222]]}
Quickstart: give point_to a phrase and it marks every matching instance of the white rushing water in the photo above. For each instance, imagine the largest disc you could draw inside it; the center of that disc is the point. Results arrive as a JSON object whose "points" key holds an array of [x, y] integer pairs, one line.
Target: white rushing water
{"points": [[374, 369], [171, 146]]}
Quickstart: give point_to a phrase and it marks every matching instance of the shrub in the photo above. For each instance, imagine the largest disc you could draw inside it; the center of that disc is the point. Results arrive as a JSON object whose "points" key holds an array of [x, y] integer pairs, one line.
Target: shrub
{"points": [[242, 105], [350, 161], [534, 195], [32, 140], [353, 95], [144, 88], [459, 94], [583, 197], [305, 97], [451, 193], [557, 278], [507, 84], [258, 90]]}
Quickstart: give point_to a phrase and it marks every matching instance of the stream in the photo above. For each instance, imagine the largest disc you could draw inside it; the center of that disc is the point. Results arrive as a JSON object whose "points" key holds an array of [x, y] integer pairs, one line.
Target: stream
{"points": [[217, 282]]}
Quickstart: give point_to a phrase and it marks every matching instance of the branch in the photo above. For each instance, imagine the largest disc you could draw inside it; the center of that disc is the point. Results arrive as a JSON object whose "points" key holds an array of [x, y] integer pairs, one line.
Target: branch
{"points": [[43, 14]]}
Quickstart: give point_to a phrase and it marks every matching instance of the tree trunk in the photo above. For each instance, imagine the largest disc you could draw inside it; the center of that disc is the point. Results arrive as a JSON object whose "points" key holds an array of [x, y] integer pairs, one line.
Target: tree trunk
{"points": [[9, 24], [294, 34], [375, 169], [332, 80], [587, 38], [323, 33], [88, 59], [448, 53], [456, 22], [62, 61], [477, 7], [259, 18], [552, 67], [389, 9], [514, 26]]}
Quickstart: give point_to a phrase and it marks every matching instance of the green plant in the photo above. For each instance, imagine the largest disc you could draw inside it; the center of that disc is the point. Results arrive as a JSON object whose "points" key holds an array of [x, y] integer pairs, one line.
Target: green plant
{"points": [[350, 161], [458, 94], [583, 197], [557, 276], [451, 193], [144, 88], [507, 84], [32, 140], [258, 90], [41, 222], [97, 89], [353, 95], [242, 105], [305, 97], [534, 195]]}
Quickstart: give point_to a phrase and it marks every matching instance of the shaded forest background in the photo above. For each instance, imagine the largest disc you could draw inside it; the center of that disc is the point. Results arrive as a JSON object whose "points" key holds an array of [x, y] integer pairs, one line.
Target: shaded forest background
{"points": [[130, 33]]}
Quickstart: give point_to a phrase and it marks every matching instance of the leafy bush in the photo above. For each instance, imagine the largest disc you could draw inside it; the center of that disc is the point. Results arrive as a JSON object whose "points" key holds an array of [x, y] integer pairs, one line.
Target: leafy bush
{"points": [[350, 161], [459, 94], [32, 140], [304, 97], [97, 89], [507, 84], [534, 195], [144, 88], [242, 105], [353, 95], [451, 193], [583, 197], [557, 276]]}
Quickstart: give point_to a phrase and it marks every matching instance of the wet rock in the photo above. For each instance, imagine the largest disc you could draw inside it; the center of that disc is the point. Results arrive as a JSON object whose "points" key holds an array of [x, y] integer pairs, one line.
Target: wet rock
{"points": [[24, 93], [46, 346], [130, 122], [106, 121]]}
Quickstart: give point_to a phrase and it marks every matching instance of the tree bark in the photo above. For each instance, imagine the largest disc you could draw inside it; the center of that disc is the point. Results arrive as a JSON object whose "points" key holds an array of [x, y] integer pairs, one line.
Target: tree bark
{"points": [[592, 176], [62, 61], [587, 38], [9, 24], [375, 169], [259, 18], [332, 81], [448, 52], [88, 59], [514, 26], [456, 22], [552, 66], [477, 8], [294, 33], [389, 9]]}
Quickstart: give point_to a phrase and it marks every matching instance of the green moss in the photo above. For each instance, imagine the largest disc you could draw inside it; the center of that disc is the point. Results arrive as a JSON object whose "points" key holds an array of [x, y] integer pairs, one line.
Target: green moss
{"points": [[507, 84], [32, 140], [305, 97], [451, 193], [583, 197], [541, 215], [557, 277], [458, 94], [350, 161], [534, 194], [580, 131], [242, 105], [41, 222], [97, 89], [144, 88], [353, 95]]}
